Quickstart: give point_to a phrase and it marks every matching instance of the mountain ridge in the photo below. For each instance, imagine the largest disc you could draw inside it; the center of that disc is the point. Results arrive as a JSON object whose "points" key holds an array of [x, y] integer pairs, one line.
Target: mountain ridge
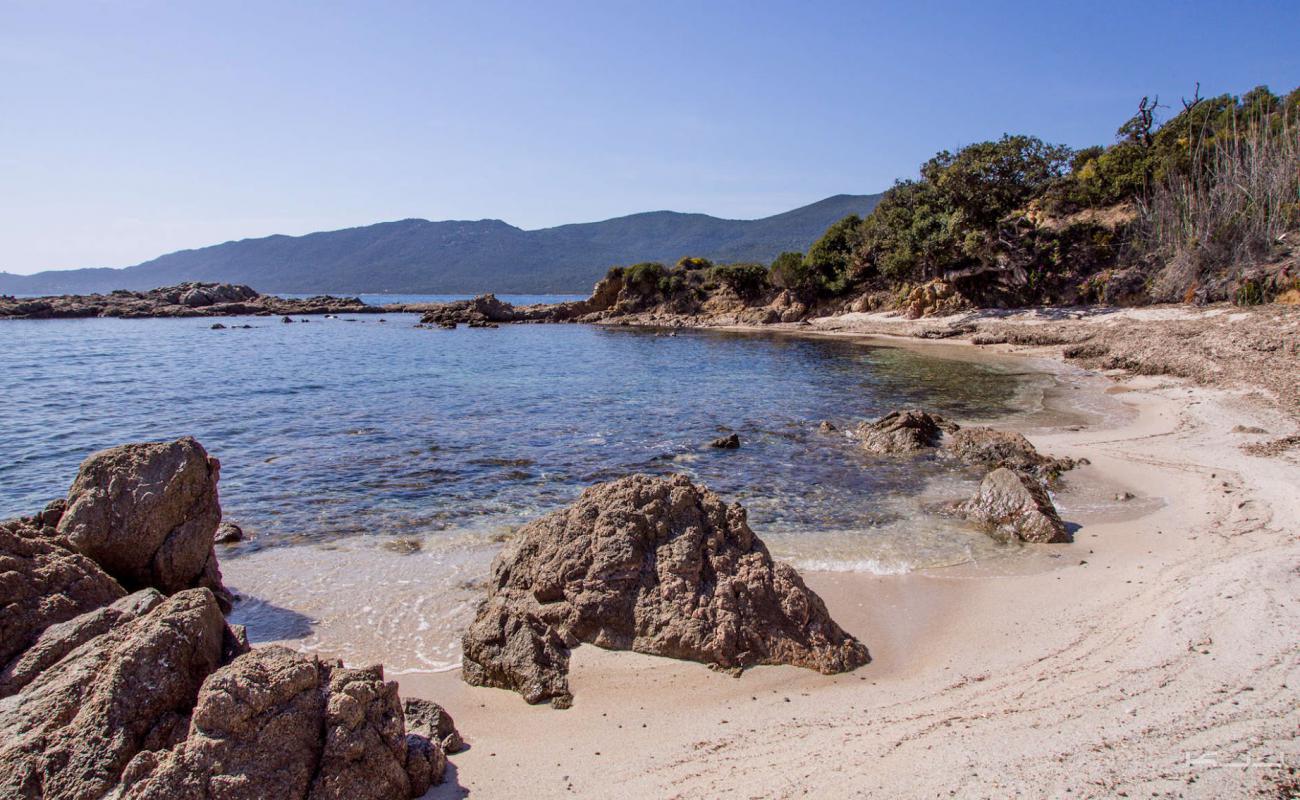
{"points": [[416, 256]]}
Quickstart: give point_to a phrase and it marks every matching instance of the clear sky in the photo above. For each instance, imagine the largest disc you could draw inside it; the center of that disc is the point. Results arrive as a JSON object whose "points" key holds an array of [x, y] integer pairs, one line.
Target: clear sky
{"points": [[130, 128]]}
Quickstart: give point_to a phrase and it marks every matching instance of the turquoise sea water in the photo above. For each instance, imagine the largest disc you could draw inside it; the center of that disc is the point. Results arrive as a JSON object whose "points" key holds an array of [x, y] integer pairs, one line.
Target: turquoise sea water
{"points": [[337, 428], [345, 443]]}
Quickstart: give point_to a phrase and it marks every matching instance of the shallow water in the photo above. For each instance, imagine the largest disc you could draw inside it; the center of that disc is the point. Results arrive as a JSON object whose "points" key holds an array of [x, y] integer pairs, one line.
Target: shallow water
{"points": [[342, 438]]}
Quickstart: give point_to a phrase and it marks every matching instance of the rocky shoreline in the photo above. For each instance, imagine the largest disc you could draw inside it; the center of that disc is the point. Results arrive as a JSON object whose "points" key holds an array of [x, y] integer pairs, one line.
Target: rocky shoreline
{"points": [[182, 300], [119, 676]]}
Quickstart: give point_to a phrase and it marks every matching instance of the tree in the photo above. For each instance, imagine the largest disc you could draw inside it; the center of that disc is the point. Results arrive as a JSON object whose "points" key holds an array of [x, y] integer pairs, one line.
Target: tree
{"points": [[829, 257]]}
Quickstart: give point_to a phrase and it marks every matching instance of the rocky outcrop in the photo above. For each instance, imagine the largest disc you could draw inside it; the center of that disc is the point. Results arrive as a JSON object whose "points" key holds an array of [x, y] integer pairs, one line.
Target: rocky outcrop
{"points": [[431, 720], [42, 583], [71, 731], [275, 723], [729, 442], [183, 300], [58, 640], [650, 564], [906, 431], [113, 695], [147, 514], [992, 448], [1014, 505]]}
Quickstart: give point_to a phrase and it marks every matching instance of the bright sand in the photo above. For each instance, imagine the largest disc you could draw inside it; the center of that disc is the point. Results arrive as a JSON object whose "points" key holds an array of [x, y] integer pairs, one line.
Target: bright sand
{"points": [[1154, 656]]}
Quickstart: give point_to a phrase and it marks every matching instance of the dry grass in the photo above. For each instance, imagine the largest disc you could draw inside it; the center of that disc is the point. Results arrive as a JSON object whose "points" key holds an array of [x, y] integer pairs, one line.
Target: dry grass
{"points": [[1231, 208]]}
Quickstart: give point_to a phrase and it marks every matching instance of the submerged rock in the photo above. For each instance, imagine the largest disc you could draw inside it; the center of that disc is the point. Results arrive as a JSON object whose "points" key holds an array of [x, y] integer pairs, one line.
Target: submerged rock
{"points": [[729, 442], [147, 514], [228, 533], [650, 564], [1014, 505], [903, 432]]}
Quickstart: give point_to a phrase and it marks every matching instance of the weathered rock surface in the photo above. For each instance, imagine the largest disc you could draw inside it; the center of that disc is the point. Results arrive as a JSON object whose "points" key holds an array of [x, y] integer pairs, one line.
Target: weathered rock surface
{"points": [[993, 448], [275, 723], [71, 731], [43, 583], [903, 432], [228, 533], [58, 640], [1014, 505], [104, 694], [147, 514], [183, 300], [654, 565], [432, 720]]}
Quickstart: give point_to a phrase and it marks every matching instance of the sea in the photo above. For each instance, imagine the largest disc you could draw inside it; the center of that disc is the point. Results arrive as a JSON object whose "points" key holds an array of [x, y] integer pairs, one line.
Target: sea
{"points": [[377, 467]]}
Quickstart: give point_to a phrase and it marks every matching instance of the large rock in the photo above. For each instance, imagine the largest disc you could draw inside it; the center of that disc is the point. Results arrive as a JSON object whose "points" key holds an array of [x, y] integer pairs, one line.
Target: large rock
{"points": [[1014, 505], [275, 723], [58, 640], [42, 583], [655, 565], [147, 514], [993, 448], [432, 721], [71, 731], [903, 432]]}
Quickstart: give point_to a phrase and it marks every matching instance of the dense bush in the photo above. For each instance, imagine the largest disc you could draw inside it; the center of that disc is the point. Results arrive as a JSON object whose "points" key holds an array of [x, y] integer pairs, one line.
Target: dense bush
{"points": [[746, 280], [1217, 180], [644, 278], [790, 271], [687, 263]]}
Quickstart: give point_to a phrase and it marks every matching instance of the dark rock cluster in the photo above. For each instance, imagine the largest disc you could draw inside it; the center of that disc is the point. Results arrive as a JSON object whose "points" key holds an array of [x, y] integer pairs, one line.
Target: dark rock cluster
{"points": [[182, 300], [152, 694]]}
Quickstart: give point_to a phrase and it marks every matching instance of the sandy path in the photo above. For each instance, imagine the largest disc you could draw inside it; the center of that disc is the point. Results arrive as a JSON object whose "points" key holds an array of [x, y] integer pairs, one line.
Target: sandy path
{"points": [[1155, 641]]}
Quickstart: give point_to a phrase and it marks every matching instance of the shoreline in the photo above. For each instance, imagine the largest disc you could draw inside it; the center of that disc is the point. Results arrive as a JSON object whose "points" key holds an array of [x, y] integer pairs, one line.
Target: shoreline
{"points": [[1082, 676]]}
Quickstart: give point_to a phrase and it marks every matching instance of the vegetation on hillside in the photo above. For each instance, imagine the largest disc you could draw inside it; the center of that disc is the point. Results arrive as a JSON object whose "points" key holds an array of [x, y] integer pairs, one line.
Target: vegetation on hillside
{"points": [[1180, 210]]}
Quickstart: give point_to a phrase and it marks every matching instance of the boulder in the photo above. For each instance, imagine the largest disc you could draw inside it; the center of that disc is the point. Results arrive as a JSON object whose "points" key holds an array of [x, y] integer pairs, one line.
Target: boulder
{"points": [[43, 583], [1014, 505], [903, 432], [651, 564], [228, 533], [58, 640], [147, 514], [992, 448], [72, 731], [729, 442], [431, 720], [275, 723]]}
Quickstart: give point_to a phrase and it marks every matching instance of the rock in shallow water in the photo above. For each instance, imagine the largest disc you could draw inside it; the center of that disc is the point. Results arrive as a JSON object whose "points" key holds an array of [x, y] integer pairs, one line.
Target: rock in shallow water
{"points": [[902, 432], [147, 514], [993, 448], [1014, 505], [650, 564]]}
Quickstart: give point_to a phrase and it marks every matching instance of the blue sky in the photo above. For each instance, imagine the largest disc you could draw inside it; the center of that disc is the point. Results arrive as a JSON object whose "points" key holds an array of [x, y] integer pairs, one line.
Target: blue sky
{"points": [[131, 128]]}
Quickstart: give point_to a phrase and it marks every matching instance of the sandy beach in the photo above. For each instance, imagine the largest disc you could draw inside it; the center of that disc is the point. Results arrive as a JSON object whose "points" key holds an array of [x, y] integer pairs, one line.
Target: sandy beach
{"points": [[1158, 655]]}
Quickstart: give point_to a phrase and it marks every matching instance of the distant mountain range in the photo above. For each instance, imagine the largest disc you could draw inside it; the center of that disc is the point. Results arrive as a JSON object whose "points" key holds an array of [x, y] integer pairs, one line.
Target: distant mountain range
{"points": [[415, 256]]}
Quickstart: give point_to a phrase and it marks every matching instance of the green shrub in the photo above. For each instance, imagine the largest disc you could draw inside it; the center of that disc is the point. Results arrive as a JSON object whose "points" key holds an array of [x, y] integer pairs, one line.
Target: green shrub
{"points": [[644, 278], [688, 263], [789, 271], [746, 280]]}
